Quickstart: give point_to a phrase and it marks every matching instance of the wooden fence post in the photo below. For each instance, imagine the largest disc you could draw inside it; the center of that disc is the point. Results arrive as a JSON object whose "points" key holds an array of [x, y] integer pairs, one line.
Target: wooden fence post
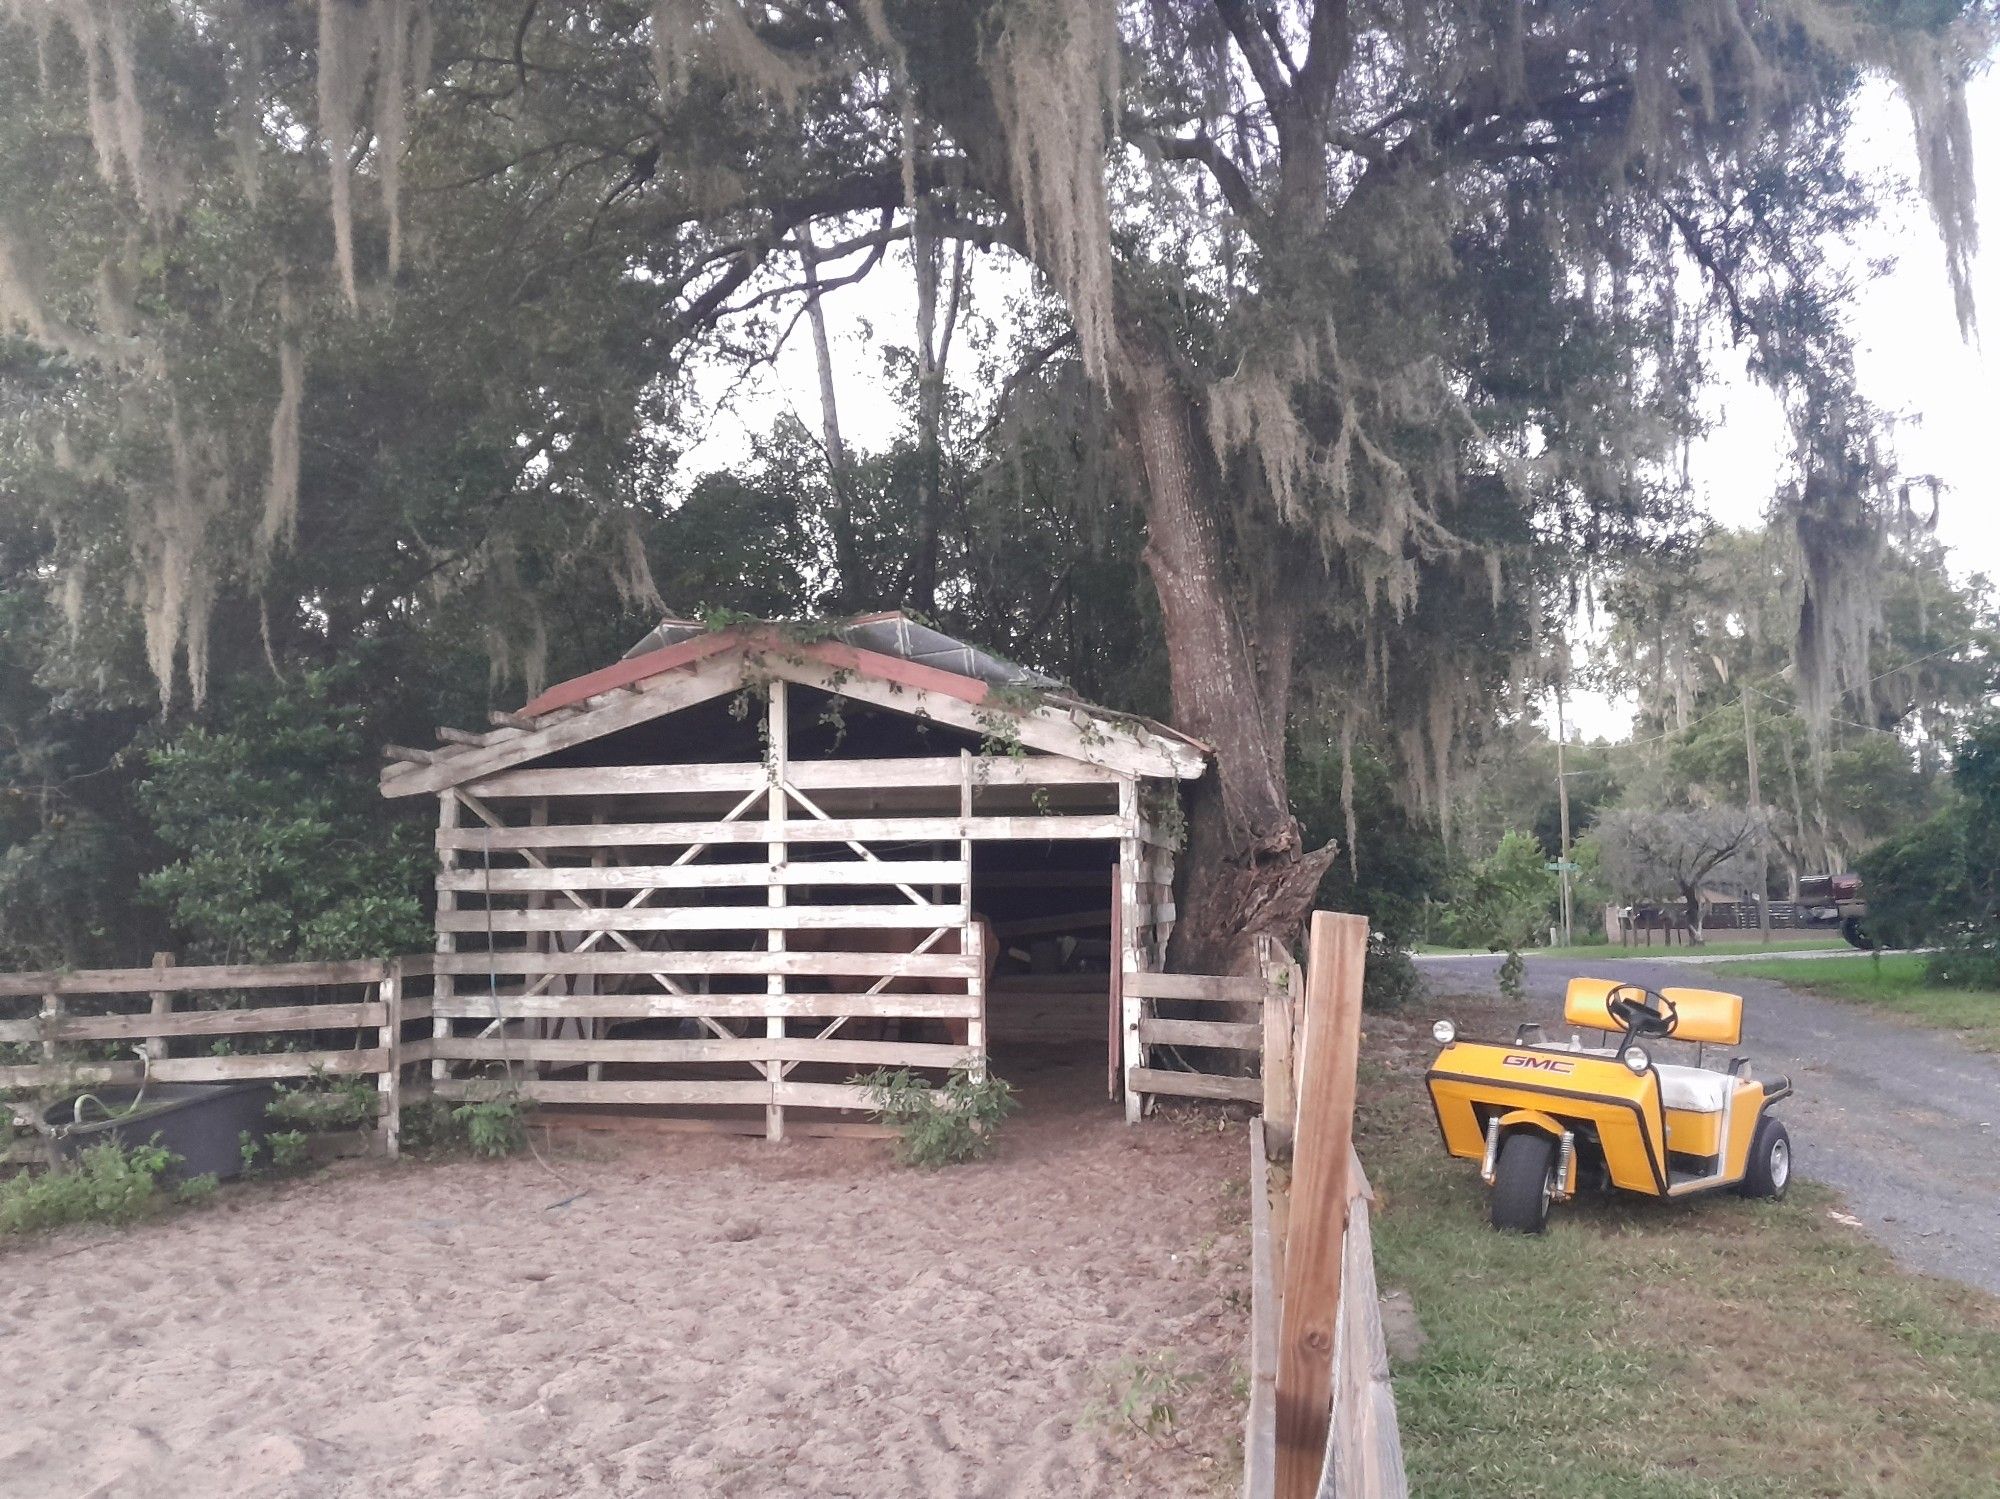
{"points": [[1281, 1098], [389, 1081], [163, 1005], [1316, 1234]]}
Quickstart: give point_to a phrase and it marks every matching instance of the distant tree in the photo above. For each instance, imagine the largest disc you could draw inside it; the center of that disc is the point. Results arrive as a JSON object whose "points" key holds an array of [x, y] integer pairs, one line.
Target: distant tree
{"points": [[1938, 884], [1504, 903], [1677, 852]]}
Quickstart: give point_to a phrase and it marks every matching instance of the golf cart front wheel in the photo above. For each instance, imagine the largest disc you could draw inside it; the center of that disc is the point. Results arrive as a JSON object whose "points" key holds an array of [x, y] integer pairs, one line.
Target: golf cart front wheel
{"points": [[1769, 1170], [1524, 1182]]}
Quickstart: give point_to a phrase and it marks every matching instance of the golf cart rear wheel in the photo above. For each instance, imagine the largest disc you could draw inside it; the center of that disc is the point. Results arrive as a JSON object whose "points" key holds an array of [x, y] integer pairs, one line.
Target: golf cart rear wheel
{"points": [[1769, 1170], [1524, 1183]]}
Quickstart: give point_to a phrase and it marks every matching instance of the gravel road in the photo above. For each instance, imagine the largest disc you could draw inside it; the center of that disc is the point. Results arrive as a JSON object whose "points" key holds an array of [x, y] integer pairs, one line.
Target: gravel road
{"points": [[1903, 1122]]}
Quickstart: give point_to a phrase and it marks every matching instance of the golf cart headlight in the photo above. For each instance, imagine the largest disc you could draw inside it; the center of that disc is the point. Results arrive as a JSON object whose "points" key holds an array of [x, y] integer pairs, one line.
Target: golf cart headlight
{"points": [[1444, 1033], [1636, 1058]]}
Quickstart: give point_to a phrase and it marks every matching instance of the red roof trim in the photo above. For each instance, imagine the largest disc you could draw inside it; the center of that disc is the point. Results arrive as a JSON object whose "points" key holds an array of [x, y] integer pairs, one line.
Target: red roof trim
{"points": [[834, 653], [635, 669], [895, 669]]}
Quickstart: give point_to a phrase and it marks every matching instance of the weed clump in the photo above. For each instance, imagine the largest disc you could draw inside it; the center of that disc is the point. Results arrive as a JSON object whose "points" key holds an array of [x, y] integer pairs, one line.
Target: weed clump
{"points": [[940, 1126], [110, 1184]]}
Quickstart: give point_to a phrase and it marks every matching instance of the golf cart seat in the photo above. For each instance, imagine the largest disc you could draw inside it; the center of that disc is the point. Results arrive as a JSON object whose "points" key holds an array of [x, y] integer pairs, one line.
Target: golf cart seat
{"points": [[1694, 1090]]}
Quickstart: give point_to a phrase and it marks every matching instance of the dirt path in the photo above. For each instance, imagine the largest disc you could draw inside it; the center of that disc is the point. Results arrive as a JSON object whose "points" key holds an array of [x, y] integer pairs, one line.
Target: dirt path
{"points": [[714, 1317], [1904, 1122]]}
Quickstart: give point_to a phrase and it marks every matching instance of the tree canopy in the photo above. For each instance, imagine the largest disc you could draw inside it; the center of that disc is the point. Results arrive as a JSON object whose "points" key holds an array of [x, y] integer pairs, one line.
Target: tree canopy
{"points": [[374, 331]]}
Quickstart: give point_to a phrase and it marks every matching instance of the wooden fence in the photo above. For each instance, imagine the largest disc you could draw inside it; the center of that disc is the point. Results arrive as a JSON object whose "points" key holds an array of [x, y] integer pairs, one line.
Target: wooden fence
{"points": [[235, 1023], [1322, 1417]]}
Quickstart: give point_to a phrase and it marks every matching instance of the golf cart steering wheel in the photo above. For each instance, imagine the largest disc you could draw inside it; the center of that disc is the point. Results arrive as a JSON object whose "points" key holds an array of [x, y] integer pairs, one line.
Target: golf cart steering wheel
{"points": [[1649, 1015]]}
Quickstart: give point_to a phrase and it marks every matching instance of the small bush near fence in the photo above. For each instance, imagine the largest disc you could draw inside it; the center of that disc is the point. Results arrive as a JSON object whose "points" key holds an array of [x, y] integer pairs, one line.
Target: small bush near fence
{"points": [[493, 1126], [940, 1126], [109, 1184]]}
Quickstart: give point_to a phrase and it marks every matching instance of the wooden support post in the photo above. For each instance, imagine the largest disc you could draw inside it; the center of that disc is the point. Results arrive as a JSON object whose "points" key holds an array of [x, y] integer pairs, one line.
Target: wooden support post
{"points": [[973, 941], [447, 942], [538, 817], [600, 857], [1281, 1099], [163, 1006], [52, 1008], [778, 719], [1329, 1050], [1114, 1001], [1125, 952], [389, 1081]]}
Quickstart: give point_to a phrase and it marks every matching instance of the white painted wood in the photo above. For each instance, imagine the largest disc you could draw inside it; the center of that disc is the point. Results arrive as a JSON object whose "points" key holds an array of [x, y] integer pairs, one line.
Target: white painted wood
{"points": [[835, 830], [1224, 1035], [705, 919], [519, 1006], [668, 693], [180, 980], [806, 775], [926, 965], [1118, 745], [746, 1049], [707, 876], [778, 717], [1195, 1084], [270, 1018], [754, 1091], [1198, 986], [198, 1069], [449, 809]]}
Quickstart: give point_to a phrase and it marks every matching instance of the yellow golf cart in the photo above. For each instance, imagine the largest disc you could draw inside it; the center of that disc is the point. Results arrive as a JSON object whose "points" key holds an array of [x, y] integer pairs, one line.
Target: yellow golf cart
{"points": [[1547, 1118]]}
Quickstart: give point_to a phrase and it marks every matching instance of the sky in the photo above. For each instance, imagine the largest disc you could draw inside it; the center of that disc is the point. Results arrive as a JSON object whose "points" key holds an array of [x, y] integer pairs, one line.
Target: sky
{"points": [[1944, 390]]}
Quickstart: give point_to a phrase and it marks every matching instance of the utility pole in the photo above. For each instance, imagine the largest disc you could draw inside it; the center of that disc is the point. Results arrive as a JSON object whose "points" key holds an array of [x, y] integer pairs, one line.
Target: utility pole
{"points": [[1757, 812], [1562, 804]]}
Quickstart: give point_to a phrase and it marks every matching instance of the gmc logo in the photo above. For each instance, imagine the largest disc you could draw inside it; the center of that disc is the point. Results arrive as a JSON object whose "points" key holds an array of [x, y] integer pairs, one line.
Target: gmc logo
{"points": [[1539, 1064]]}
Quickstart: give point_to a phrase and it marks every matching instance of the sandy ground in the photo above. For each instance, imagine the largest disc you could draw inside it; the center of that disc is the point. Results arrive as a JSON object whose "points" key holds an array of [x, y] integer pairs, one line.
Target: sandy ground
{"points": [[712, 1317], [1904, 1122]]}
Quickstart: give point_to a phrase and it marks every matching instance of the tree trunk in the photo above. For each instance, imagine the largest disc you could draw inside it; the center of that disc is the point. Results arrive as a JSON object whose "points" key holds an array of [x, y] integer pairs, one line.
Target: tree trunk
{"points": [[1229, 654]]}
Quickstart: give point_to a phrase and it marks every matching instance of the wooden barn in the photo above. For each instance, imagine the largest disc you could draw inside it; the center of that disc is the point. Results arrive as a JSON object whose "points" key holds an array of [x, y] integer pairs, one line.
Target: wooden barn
{"points": [[725, 875]]}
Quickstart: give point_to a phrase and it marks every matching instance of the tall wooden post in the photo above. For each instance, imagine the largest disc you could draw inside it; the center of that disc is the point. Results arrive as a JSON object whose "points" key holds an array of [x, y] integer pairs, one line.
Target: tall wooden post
{"points": [[972, 940], [445, 986], [163, 1005], [1329, 1050], [777, 720], [389, 1082], [1126, 952]]}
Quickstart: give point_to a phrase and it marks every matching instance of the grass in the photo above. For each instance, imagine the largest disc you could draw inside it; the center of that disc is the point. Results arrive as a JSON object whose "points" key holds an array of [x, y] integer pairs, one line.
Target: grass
{"points": [[1894, 982], [1649, 1350], [1810, 942]]}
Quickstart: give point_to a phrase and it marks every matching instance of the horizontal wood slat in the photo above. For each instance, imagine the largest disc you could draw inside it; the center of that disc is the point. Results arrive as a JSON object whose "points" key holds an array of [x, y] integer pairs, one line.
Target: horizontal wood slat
{"points": [[198, 1069], [928, 965], [1195, 1084], [197, 1023], [1214, 1033], [758, 876], [1193, 986], [176, 980], [695, 1006], [862, 1054], [802, 830], [706, 919], [806, 775], [547, 1090]]}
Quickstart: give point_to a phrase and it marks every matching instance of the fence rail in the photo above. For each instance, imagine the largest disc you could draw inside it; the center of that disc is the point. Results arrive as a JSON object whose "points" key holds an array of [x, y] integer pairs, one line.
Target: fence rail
{"points": [[272, 1021]]}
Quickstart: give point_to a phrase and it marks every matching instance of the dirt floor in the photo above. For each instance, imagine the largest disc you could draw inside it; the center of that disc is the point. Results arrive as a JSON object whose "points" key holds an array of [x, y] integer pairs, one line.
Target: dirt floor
{"points": [[711, 1316]]}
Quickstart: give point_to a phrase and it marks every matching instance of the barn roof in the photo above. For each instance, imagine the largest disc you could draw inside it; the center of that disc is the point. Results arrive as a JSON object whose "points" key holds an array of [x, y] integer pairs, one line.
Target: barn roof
{"points": [[888, 660]]}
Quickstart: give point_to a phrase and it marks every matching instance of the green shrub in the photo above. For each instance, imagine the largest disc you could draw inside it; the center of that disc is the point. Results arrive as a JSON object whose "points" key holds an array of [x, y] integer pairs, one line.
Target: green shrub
{"points": [[325, 1103], [492, 1126], [288, 1149], [196, 1190], [109, 1184], [940, 1126]]}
